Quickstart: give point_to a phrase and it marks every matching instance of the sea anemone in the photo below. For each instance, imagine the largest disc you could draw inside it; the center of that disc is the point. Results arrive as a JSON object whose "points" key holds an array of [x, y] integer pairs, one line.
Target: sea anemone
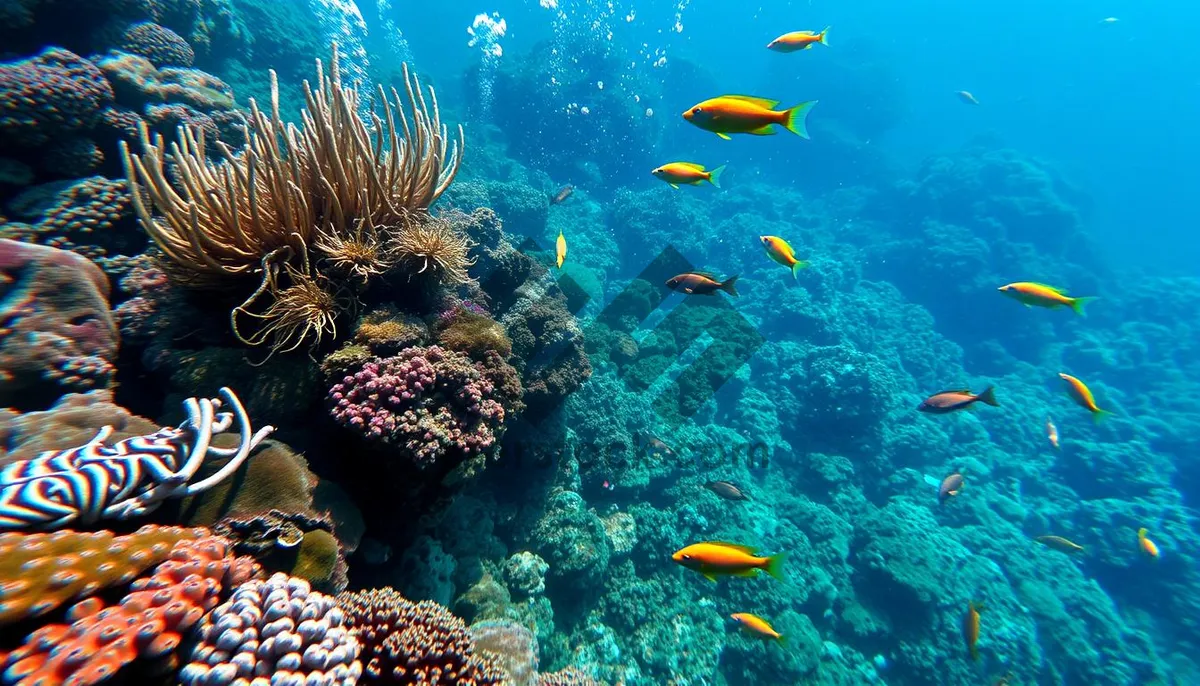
{"points": [[434, 246]]}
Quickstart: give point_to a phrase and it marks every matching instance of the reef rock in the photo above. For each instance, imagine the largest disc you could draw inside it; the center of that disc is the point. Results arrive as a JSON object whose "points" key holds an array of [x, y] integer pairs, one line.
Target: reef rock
{"points": [[57, 334]]}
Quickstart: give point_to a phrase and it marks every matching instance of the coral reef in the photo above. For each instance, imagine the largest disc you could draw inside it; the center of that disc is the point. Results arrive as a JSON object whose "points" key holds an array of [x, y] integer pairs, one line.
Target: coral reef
{"points": [[413, 643], [278, 630], [51, 94], [58, 335], [160, 608], [435, 404]]}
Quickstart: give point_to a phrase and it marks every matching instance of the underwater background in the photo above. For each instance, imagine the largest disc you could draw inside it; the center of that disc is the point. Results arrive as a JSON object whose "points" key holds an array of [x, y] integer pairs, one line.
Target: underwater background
{"points": [[313, 381]]}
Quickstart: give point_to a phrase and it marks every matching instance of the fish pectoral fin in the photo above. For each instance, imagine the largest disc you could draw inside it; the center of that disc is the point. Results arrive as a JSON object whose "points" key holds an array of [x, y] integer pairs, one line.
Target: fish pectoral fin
{"points": [[675, 186], [724, 135], [710, 576], [767, 130], [688, 291]]}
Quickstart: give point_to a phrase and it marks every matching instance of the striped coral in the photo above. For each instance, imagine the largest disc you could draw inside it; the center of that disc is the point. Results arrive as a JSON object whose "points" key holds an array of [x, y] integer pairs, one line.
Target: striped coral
{"points": [[40, 572], [146, 626], [278, 629]]}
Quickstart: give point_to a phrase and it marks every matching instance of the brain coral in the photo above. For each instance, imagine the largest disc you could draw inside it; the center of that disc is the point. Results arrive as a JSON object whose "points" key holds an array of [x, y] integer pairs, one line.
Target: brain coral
{"points": [[49, 94], [57, 334], [430, 401], [162, 46], [414, 643], [278, 629]]}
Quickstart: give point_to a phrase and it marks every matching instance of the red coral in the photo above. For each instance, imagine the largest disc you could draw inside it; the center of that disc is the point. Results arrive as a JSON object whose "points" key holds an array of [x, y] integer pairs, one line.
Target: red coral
{"points": [[414, 643], [430, 401], [148, 624]]}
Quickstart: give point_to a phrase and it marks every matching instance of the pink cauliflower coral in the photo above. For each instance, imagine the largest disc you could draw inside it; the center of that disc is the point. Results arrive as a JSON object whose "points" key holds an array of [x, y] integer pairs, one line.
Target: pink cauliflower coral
{"points": [[430, 401]]}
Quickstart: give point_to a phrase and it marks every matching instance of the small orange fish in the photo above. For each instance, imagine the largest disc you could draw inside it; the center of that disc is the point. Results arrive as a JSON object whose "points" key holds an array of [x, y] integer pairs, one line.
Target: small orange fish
{"points": [[966, 97], [702, 283], [1149, 547], [560, 249], [780, 251], [562, 194], [757, 625], [1033, 294], [746, 114], [946, 402], [1051, 432], [950, 487], [971, 628], [1060, 544], [713, 559], [1082, 395], [688, 173], [799, 40]]}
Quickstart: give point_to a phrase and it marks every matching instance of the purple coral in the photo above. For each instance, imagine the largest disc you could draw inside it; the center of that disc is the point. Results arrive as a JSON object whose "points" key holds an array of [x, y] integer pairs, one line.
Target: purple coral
{"points": [[51, 93], [430, 401]]}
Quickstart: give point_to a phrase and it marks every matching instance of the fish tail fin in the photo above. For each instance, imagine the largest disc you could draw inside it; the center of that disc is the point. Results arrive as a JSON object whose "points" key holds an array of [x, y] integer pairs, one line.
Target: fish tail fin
{"points": [[988, 397], [797, 266], [1078, 303], [714, 176], [728, 285], [1142, 532], [825, 35], [1099, 415], [782, 640], [775, 565], [797, 118]]}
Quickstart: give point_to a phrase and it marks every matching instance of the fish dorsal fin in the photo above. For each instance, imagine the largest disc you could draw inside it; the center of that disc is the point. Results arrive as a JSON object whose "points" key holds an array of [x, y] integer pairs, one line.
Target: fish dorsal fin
{"points": [[956, 391], [691, 165], [1056, 289], [707, 275], [761, 102], [733, 546]]}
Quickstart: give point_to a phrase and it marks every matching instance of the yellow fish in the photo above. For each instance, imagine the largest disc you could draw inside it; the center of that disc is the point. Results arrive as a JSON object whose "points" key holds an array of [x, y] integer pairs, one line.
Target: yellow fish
{"points": [[1042, 295], [713, 559], [690, 173], [799, 40], [1060, 544], [560, 248], [971, 628], [1149, 547], [745, 114], [1082, 395], [779, 250], [757, 625]]}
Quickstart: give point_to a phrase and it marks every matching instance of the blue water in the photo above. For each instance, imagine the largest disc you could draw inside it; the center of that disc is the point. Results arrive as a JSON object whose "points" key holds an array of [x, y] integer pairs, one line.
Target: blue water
{"points": [[946, 507]]}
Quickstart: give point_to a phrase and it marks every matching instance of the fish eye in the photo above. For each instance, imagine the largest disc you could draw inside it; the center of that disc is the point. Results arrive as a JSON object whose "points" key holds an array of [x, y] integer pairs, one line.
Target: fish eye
{"points": [[696, 110], [685, 557]]}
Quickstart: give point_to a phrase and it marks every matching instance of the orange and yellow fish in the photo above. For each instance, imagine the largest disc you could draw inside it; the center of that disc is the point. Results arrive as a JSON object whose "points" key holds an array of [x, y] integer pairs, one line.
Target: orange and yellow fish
{"points": [[560, 249], [713, 559], [1041, 295], [689, 173], [780, 251], [757, 625], [799, 40], [745, 114], [1082, 395], [1149, 547], [971, 628], [1051, 432]]}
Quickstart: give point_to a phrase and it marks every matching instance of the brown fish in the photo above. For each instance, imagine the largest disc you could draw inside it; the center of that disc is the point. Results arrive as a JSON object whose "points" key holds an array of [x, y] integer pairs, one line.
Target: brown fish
{"points": [[971, 628], [702, 283], [946, 402], [562, 194], [1060, 544], [657, 447], [726, 490], [950, 487]]}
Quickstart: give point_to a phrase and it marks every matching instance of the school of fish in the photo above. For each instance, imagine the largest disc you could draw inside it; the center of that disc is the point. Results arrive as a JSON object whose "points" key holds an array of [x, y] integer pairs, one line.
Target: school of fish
{"points": [[728, 115]]}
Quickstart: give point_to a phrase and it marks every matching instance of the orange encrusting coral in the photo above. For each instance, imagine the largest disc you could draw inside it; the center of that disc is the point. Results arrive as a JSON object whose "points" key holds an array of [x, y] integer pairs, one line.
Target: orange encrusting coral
{"points": [[148, 624], [40, 572]]}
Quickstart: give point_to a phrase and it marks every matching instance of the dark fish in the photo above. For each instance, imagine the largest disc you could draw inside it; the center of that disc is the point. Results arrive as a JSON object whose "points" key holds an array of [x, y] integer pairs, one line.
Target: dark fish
{"points": [[953, 401], [702, 283], [726, 490], [950, 487], [562, 194], [657, 447]]}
